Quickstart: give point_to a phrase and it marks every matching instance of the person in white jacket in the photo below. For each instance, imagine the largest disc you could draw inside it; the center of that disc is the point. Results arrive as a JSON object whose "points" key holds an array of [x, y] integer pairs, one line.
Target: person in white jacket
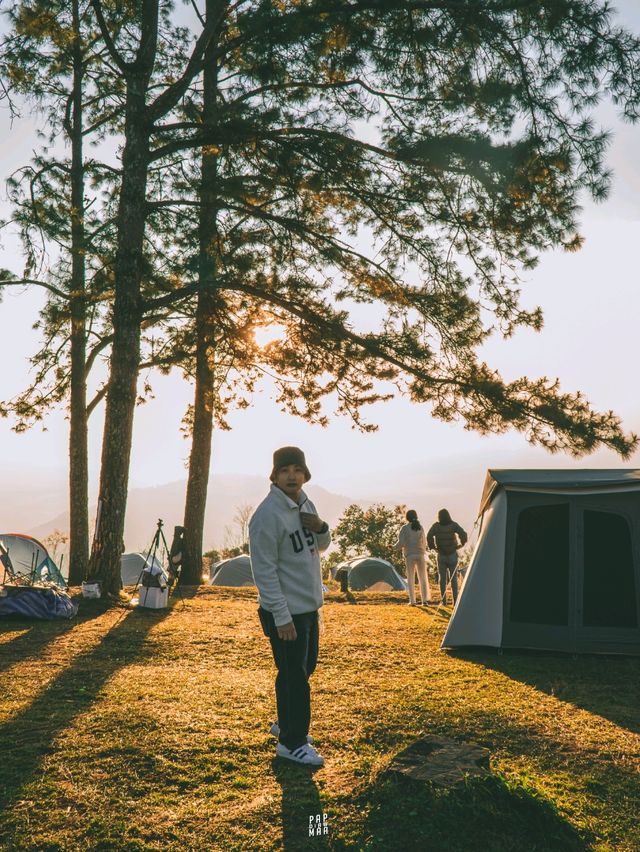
{"points": [[286, 536], [413, 543]]}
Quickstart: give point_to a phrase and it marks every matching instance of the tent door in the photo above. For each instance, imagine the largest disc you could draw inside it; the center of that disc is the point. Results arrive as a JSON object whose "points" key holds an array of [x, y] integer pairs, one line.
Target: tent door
{"points": [[572, 572], [608, 586], [540, 572]]}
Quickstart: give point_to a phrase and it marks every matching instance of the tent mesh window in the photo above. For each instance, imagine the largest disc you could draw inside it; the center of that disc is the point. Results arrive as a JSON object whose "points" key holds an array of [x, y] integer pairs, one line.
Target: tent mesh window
{"points": [[609, 587], [540, 582]]}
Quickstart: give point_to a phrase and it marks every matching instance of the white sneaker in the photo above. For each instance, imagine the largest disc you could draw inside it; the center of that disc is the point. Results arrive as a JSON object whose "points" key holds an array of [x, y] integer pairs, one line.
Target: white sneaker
{"points": [[275, 730], [303, 754]]}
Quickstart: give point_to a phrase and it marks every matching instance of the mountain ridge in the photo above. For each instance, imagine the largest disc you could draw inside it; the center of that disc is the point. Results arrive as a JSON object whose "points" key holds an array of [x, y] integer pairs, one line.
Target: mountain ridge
{"points": [[454, 482], [227, 493]]}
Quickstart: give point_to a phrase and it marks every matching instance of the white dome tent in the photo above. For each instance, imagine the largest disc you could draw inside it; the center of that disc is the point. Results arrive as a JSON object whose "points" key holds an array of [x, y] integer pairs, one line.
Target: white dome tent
{"points": [[133, 564], [233, 572], [372, 574]]}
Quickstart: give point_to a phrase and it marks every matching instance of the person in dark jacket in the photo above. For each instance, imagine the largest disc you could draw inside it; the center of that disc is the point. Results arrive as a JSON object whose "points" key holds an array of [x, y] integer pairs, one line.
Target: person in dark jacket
{"points": [[446, 537]]}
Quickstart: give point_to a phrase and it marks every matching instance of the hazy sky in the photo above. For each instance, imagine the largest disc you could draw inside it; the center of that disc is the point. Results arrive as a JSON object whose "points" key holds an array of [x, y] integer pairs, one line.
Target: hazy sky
{"points": [[591, 304]]}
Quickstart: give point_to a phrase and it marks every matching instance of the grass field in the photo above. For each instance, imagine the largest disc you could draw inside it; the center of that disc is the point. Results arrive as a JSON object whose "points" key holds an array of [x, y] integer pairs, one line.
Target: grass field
{"points": [[131, 730]]}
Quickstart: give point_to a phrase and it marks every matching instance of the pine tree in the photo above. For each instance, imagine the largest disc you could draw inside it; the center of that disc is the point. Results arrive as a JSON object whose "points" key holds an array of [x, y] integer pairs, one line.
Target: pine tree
{"points": [[454, 138], [49, 60], [135, 53], [207, 301], [477, 145]]}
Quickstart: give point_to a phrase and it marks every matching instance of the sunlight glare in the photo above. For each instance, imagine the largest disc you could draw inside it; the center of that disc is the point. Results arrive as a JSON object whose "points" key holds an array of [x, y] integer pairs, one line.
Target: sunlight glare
{"points": [[265, 334]]}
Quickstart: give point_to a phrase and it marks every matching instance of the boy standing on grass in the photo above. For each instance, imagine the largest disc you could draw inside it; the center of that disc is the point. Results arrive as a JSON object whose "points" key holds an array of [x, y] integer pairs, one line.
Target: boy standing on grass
{"points": [[286, 536]]}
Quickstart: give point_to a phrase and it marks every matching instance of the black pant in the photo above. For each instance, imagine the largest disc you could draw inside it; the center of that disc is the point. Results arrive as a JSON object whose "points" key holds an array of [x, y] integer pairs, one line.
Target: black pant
{"points": [[296, 662]]}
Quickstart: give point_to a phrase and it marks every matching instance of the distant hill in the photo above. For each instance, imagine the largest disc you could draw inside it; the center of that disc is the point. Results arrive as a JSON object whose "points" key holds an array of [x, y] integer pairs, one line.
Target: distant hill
{"points": [[454, 482], [38, 505], [226, 494], [28, 497]]}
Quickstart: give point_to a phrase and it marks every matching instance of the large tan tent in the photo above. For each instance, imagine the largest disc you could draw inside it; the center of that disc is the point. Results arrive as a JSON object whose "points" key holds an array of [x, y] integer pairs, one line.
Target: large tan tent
{"points": [[556, 565]]}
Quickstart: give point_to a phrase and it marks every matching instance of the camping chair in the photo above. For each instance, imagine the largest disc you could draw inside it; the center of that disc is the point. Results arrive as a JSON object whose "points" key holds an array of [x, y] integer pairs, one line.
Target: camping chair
{"points": [[15, 577], [5, 562]]}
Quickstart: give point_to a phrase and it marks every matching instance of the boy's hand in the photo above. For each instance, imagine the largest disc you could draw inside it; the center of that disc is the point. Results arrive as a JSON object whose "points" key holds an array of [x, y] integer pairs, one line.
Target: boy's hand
{"points": [[311, 522], [288, 632]]}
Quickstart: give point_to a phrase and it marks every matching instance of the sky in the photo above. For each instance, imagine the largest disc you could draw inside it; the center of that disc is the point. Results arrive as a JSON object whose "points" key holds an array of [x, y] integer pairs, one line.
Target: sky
{"points": [[591, 305]]}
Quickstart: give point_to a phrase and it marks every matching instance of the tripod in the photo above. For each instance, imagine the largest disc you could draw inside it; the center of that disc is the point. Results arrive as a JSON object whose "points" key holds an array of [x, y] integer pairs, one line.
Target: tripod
{"points": [[150, 560]]}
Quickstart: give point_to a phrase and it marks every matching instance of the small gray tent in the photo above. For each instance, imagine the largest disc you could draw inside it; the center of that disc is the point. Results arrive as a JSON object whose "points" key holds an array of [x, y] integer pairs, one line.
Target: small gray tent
{"points": [[556, 565], [132, 565], [233, 572], [370, 574]]}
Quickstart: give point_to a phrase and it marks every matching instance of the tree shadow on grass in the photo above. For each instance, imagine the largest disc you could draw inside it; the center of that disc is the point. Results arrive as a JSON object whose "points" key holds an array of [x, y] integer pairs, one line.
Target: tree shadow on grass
{"points": [[440, 614], [366, 597], [587, 782], [184, 593], [486, 815], [608, 686], [302, 807], [27, 737], [30, 639]]}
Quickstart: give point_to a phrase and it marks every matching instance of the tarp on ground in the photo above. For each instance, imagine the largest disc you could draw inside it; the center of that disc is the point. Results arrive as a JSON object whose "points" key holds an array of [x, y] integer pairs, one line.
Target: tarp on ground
{"points": [[36, 602]]}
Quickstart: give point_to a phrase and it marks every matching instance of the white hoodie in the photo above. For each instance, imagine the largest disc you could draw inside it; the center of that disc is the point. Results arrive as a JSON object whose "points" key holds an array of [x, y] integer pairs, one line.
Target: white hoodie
{"points": [[413, 542], [285, 557]]}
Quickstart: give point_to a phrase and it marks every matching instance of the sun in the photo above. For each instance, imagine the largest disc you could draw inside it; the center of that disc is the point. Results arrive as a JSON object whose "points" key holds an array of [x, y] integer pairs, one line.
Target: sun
{"points": [[266, 334]]}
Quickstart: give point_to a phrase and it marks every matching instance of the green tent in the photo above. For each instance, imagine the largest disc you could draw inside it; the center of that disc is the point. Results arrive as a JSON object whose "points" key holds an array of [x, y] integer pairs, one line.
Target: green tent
{"points": [[233, 572], [25, 561], [371, 574]]}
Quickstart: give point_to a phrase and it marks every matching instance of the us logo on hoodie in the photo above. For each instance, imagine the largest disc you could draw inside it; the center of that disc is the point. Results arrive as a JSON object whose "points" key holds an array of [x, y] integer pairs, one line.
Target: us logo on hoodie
{"points": [[296, 540]]}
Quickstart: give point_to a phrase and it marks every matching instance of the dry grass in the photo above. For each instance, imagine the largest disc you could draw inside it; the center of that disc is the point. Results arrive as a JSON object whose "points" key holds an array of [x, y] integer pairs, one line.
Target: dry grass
{"points": [[149, 731]]}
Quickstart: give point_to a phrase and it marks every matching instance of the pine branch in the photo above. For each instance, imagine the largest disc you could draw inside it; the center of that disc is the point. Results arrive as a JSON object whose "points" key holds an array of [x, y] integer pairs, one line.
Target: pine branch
{"points": [[100, 395], [172, 94], [99, 347], [121, 64], [22, 282]]}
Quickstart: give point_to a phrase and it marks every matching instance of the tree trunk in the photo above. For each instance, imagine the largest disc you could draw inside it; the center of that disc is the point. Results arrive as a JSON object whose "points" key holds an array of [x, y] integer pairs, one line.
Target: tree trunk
{"points": [[200, 456], [125, 354], [204, 401], [78, 444]]}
